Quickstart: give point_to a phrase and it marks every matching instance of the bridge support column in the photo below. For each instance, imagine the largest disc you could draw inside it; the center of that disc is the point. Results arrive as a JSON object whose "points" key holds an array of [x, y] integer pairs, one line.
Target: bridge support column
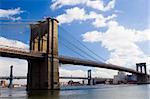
{"points": [[89, 77], [141, 65], [142, 78], [11, 77], [44, 74]]}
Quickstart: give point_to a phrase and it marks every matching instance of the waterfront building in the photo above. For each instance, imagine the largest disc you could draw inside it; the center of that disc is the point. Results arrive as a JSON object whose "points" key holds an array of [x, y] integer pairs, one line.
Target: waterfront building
{"points": [[120, 78]]}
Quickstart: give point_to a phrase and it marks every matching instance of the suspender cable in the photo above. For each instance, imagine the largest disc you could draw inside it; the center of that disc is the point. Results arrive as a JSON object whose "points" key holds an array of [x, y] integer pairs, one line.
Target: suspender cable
{"points": [[72, 50], [79, 49], [83, 44]]}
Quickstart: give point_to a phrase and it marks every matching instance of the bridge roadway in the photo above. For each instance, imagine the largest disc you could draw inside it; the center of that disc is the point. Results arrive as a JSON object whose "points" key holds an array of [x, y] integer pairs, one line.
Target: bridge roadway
{"points": [[21, 54], [78, 61], [13, 53]]}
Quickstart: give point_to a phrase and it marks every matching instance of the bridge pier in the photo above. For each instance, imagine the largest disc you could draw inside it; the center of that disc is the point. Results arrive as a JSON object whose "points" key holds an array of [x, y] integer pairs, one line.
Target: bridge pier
{"points": [[11, 77], [89, 77], [142, 78], [44, 74]]}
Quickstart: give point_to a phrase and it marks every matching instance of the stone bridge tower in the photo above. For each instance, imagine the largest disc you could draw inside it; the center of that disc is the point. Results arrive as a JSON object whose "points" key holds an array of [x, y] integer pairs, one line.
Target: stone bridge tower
{"points": [[141, 65], [142, 78], [44, 74]]}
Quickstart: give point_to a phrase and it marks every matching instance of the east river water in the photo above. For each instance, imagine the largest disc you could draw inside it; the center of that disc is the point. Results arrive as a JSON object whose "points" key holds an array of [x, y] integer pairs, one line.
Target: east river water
{"points": [[82, 92]]}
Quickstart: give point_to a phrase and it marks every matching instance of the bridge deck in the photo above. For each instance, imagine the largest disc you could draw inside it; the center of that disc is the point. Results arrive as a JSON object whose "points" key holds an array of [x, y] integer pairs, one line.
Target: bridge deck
{"points": [[76, 61], [4, 52], [15, 77]]}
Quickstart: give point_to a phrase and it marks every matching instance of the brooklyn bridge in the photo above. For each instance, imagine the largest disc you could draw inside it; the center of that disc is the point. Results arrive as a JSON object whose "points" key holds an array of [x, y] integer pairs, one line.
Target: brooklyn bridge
{"points": [[43, 58]]}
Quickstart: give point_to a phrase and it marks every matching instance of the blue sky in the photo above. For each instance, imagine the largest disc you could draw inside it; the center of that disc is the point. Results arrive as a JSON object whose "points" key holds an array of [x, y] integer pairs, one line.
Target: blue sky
{"points": [[129, 17]]}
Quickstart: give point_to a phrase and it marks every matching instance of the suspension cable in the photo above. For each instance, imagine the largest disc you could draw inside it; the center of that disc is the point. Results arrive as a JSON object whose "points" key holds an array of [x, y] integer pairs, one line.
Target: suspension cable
{"points": [[83, 44], [76, 47], [72, 49]]}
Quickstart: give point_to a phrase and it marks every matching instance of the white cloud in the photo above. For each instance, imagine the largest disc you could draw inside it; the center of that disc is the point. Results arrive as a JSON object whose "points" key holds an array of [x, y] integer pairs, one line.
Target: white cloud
{"points": [[11, 13], [60, 3], [143, 36], [121, 42], [95, 4], [93, 36], [4, 42], [78, 14], [99, 5], [101, 21], [71, 15]]}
